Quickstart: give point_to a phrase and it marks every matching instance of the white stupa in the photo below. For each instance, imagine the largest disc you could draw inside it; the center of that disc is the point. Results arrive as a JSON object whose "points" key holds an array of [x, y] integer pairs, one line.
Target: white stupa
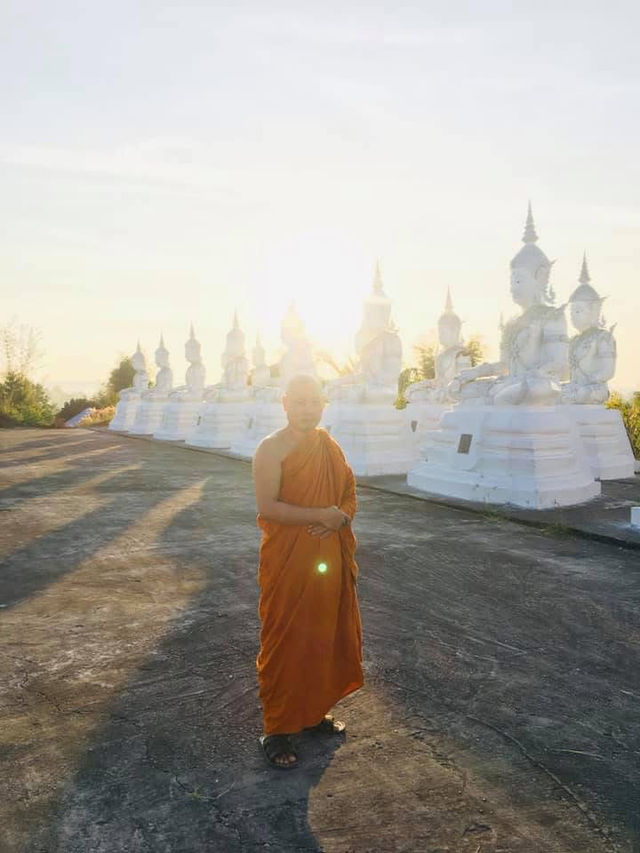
{"points": [[180, 412], [225, 411], [129, 398], [511, 440], [361, 414]]}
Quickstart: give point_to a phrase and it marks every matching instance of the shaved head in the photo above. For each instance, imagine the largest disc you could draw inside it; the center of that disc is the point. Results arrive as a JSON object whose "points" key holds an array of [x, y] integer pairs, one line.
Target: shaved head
{"points": [[303, 402], [302, 382]]}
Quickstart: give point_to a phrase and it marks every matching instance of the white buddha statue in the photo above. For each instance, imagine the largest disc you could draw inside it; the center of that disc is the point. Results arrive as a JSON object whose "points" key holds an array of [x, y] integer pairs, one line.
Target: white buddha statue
{"points": [[235, 368], [534, 346], [592, 352], [379, 350], [129, 398], [449, 362], [195, 376], [261, 374], [164, 376], [298, 357], [140, 381]]}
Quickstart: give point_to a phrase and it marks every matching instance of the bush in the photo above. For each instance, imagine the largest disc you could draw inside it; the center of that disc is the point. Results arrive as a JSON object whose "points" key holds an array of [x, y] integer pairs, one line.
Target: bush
{"points": [[23, 402], [630, 411], [73, 407], [99, 417]]}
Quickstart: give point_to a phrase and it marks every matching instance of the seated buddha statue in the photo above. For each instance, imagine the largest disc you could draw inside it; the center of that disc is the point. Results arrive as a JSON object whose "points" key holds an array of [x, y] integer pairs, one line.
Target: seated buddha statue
{"points": [[379, 351], [164, 376], [140, 382], [449, 361], [592, 352], [195, 375], [534, 345]]}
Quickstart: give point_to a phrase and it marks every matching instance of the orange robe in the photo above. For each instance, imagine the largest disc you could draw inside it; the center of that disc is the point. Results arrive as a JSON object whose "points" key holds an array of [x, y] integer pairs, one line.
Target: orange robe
{"points": [[311, 639]]}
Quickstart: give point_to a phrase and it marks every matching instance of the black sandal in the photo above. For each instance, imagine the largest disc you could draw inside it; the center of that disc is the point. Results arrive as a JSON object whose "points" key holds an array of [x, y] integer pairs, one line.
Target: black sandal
{"points": [[328, 726], [274, 746]]}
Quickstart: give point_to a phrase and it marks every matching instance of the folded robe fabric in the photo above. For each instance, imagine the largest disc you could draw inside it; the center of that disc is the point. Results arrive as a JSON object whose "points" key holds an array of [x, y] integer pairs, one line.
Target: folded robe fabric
{"points": [[310, 640]]}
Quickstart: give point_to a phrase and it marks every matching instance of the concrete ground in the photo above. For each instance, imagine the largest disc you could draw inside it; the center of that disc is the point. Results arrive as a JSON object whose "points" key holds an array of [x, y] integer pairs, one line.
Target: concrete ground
{"points": [[500, 711]]}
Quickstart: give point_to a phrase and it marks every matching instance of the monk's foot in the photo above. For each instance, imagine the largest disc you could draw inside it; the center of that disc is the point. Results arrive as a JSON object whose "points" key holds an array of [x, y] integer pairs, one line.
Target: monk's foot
{"points": [[328, 726], [279, 751]]}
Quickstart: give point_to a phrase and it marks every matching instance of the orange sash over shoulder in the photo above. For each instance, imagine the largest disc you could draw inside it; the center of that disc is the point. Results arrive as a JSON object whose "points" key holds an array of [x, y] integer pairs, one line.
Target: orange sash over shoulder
{"points": [[311, 639]]}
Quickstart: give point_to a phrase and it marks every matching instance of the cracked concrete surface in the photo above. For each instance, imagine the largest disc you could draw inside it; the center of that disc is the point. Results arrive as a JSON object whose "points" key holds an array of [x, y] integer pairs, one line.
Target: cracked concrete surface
{"points": [[500, 711]]}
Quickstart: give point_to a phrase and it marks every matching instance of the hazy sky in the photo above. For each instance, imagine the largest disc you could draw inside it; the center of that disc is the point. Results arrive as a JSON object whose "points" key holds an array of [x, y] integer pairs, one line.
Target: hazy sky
{"points": [[168, 162]]}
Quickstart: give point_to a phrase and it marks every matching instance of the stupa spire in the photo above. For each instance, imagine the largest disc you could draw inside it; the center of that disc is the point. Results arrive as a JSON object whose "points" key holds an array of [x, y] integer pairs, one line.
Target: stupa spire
{"points": [[192, 334], [448, 307], [378, 286], [161, 344], [585, 278], [529, 235]]}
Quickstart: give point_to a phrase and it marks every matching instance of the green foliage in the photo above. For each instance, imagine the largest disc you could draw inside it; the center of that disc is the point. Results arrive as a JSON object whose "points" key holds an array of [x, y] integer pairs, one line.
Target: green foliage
{"points": [[630, 411], [23, 402], [120, 377], [73, 407], [474, 348]]}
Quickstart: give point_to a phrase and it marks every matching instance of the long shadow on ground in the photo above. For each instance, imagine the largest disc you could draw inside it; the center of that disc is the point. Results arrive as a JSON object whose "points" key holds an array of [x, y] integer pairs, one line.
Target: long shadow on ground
{"points": [[178, 765]]}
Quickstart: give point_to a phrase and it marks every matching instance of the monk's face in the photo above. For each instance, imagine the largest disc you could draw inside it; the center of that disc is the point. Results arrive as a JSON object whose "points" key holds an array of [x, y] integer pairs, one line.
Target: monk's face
{"points": [[304, 404]]}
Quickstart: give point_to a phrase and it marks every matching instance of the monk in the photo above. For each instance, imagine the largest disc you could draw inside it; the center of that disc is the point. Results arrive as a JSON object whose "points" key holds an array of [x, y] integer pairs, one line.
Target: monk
{"points": [[310, 639]]}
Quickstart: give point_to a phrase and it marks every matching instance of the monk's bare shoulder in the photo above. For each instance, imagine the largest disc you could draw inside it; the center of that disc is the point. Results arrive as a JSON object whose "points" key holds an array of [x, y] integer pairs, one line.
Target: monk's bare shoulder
{"points": [[272, 449]]}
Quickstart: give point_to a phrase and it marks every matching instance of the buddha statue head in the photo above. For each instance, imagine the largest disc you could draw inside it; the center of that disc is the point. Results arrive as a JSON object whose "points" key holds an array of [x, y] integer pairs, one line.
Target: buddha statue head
{"points": [[292, 330], [162, 354], [258, 354], [585, 303], [530, 270], [192, 348], [137, 360], [449, 325], [235, 340]]}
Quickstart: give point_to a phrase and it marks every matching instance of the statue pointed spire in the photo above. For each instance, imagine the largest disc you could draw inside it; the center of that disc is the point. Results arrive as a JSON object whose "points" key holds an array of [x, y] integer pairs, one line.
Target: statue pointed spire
{"points": [[529, 235], [585, 278], [192, 334], [138, 346], [378, 286], [448, 307], [236, 324], [161, 344]]}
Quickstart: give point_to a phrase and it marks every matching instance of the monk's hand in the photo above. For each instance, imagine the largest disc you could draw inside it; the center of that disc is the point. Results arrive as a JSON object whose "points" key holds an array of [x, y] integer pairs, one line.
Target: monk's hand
{"points": [[319, 530], [333, 518]]}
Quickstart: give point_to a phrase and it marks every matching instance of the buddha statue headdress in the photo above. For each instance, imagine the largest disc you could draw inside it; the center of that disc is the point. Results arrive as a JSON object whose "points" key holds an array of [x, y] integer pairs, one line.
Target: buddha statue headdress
{"points": [[449, 319], [533, 259]]}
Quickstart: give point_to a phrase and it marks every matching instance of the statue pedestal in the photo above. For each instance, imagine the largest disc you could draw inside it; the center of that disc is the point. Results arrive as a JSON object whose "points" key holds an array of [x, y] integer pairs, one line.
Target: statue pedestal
{"points": [[178, 420], [219, 424], [605, 441], [148, 417], [528, 456], [375, 437], [261, 420], [125, 413], [422, 417]]}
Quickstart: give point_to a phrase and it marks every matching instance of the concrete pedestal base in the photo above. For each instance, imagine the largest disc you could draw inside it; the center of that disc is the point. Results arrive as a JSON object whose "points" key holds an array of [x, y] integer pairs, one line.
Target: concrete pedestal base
{"points": [[125, 413], [527, 456], [178, 420], [376, 437], [219, 424], [605, 441], [148, 417], [262, 420], [422, 417]]}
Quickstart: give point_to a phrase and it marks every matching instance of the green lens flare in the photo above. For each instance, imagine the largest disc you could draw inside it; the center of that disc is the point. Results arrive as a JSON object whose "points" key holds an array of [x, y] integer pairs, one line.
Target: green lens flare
{"points": [[322, 568]]}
